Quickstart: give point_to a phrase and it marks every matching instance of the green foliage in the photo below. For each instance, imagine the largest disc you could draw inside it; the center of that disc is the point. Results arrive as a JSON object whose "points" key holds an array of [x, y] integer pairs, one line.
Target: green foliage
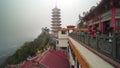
{"points": [[53, 45], [28, 49], [81, 25]]}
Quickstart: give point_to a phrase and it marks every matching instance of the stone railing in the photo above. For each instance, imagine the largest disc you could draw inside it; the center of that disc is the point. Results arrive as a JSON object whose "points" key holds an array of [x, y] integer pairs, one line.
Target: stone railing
{"points": [[108, 46]]}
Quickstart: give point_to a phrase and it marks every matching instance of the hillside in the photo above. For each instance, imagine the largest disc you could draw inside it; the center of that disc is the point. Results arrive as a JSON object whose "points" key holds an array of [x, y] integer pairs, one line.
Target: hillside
{"points": [[29, 49]]}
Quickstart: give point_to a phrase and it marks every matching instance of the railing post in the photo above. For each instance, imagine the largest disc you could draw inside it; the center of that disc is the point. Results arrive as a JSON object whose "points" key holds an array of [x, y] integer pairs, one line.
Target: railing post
{"points": [[114, 45], [97, 40], [118, 48], [76, 35]]}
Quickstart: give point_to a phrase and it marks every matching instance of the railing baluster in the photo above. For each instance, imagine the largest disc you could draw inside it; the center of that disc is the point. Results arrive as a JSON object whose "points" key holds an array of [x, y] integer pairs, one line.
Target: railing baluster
{"points": [[102, 44]]}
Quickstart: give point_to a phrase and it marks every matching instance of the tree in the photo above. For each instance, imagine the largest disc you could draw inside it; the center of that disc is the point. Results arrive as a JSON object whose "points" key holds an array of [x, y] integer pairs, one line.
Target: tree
{"points": [[29, 48]]}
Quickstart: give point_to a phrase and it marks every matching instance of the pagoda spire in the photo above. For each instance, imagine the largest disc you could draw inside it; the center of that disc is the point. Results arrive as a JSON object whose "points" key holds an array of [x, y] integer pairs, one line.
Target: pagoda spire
{"points": [[56, 4]]}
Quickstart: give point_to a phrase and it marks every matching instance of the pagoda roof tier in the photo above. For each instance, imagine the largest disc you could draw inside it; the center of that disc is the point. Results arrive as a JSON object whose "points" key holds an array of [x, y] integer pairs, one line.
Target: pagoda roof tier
{"points": [[56, 21], [56, 27], [55, 12], [71, 26], [54, 31], [56, 18], [55, 15], [102, 7], [56, 24], [55, 9]]}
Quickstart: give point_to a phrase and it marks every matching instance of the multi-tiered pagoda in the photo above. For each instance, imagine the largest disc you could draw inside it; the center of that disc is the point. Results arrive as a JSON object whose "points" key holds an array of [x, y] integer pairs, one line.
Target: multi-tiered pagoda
{"points": [[55, 21]]}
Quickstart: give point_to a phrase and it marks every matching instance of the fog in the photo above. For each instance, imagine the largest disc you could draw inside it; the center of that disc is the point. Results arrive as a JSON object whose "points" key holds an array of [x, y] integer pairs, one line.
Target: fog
{"points": [[25, 18]]}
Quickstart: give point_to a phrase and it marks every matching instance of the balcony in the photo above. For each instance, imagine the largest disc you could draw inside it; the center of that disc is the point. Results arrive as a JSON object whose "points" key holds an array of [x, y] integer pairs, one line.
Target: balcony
{"points": [[101, 46]]}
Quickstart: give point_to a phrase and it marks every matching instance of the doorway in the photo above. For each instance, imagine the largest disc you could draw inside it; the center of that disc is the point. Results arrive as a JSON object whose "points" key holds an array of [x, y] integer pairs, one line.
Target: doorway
{"points": [[106, 26]]}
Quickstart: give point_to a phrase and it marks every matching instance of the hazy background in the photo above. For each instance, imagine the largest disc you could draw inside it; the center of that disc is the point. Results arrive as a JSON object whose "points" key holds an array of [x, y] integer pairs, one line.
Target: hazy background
{"points": [[22, 20]]}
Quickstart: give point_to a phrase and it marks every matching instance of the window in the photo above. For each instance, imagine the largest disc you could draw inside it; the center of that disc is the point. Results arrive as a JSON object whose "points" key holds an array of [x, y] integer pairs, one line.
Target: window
{"points": [[57, 41], [64, 48], [63, 32]]}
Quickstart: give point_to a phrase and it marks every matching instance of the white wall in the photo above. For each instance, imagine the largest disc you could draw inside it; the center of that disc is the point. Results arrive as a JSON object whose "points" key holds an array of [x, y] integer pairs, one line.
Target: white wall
{"points": [[63, 43], [63, 39], [60, 35]]}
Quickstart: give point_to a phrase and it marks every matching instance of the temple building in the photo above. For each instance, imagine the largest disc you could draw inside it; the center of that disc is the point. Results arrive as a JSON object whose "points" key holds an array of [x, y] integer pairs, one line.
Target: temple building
{"points": [[48, 59], [55, 21], [104, 16], [76, 47], [87, 51]]}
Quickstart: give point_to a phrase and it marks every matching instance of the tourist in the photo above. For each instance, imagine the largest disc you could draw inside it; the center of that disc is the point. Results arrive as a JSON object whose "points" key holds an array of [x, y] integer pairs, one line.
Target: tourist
{"points": [[93, 32], [98, 31], [110, 31], [82, 33]]}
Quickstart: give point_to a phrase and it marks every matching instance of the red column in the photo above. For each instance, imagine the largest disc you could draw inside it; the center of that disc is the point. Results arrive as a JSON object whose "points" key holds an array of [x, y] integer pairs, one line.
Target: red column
{"points": [[100, 24], [113, 23], [93, 23], [88, 26]]}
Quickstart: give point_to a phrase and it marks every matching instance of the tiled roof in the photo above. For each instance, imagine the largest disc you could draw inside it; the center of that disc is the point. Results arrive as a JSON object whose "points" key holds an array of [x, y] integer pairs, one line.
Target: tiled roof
{"points": [[29, 63], [26, 64], [50, 59], [54, 59]]}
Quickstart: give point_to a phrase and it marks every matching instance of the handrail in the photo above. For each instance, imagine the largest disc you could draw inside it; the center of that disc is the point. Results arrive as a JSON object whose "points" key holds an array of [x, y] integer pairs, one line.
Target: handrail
{"points": [[79, 57], [102, 45]]}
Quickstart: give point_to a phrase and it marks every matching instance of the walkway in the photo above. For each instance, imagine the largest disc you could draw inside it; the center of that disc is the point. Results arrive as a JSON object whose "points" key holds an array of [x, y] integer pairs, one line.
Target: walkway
{"points": [[93, 60]]}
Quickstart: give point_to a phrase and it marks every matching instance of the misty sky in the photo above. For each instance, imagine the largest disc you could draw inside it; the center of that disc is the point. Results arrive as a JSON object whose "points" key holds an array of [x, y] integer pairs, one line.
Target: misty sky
{"points": [[25, 18]]}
